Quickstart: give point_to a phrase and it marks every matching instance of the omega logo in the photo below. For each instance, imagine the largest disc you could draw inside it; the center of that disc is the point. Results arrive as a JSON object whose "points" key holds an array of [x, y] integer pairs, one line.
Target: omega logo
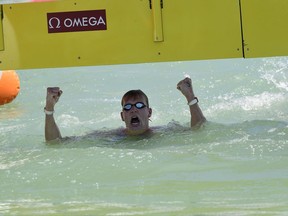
{"points": [[55, 22], [76, 21]]}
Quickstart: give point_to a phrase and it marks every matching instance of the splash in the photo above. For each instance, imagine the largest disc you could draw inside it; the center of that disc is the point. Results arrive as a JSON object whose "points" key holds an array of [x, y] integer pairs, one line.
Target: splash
{"points": [[274, 71]]}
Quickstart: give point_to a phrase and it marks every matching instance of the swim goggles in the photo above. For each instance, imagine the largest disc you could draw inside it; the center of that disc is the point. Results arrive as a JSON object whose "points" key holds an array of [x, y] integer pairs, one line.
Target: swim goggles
{"points": [[138, 105]]}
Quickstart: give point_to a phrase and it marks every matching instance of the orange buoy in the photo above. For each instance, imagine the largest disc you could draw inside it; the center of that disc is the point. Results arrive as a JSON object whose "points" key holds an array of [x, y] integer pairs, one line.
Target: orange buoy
{"points": [[9, 86]]}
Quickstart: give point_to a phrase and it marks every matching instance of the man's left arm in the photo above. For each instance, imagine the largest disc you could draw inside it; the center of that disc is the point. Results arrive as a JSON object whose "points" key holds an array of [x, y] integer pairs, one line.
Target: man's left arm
{"points": [[197, 117]]}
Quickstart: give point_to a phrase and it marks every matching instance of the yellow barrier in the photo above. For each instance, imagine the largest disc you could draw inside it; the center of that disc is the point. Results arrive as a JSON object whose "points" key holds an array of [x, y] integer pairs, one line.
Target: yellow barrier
{"points": [[265, 27], [85, 32]]}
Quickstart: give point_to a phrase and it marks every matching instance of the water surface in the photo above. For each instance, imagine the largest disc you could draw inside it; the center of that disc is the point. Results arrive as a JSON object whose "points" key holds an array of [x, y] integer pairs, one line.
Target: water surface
{"points": [[235, 165]]}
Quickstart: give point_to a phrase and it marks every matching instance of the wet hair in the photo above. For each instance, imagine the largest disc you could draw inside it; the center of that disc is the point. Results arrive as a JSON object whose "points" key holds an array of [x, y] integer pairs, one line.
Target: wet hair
{"points": [[135, 94]]}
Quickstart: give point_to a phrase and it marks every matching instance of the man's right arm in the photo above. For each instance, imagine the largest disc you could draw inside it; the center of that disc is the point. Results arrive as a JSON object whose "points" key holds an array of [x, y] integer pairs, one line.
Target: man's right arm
{"points": [[52, 131]]}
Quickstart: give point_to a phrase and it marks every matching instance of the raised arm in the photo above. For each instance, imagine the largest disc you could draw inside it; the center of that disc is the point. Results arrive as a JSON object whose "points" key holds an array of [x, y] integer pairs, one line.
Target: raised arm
{"points": [[51, 129], [197, 117]]}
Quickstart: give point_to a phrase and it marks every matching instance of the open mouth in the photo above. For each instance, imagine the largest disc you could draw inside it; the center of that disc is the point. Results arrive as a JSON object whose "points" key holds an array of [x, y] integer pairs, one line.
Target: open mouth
{"points": [[135, 121]]}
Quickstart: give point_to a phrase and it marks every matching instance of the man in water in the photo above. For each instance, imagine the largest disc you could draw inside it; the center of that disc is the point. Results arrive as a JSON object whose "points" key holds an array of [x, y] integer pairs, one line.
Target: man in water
{"points": [[135, 110]]}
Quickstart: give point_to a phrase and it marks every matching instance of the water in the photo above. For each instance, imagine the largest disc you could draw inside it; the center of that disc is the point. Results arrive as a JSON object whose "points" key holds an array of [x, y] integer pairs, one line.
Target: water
{"points": [[235, 165]]}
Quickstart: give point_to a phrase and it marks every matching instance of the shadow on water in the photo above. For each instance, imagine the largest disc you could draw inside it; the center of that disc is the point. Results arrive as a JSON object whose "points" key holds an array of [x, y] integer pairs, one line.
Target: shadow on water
{"points": [[10, 111]]}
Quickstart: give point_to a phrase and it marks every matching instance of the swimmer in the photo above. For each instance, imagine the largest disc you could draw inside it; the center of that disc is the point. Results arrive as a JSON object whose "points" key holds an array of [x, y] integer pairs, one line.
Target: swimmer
{"points": [[136, 111]]}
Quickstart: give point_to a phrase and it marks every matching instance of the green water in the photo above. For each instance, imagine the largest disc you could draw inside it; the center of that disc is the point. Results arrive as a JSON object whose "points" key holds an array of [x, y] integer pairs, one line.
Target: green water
{"points": [[235, 165]]}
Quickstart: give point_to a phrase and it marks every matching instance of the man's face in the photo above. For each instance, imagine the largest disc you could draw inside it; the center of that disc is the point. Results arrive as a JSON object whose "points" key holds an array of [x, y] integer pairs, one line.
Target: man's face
{"points": [[136, 119]]}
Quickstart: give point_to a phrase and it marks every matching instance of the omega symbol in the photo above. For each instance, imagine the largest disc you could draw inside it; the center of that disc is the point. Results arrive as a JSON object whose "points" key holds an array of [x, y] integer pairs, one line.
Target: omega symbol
{"points": [[57, 22]]}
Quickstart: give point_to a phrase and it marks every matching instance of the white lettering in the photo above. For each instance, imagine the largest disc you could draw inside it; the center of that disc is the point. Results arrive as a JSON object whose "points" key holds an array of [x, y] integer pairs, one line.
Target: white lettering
{"points": [[85, 21], [92, 21], [101, 21], [68, 23], [77, 22]]}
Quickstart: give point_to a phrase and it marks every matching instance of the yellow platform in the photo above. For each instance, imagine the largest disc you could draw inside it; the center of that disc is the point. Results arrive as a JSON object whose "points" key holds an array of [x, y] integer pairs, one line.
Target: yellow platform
{"points": [[103, 32]]}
